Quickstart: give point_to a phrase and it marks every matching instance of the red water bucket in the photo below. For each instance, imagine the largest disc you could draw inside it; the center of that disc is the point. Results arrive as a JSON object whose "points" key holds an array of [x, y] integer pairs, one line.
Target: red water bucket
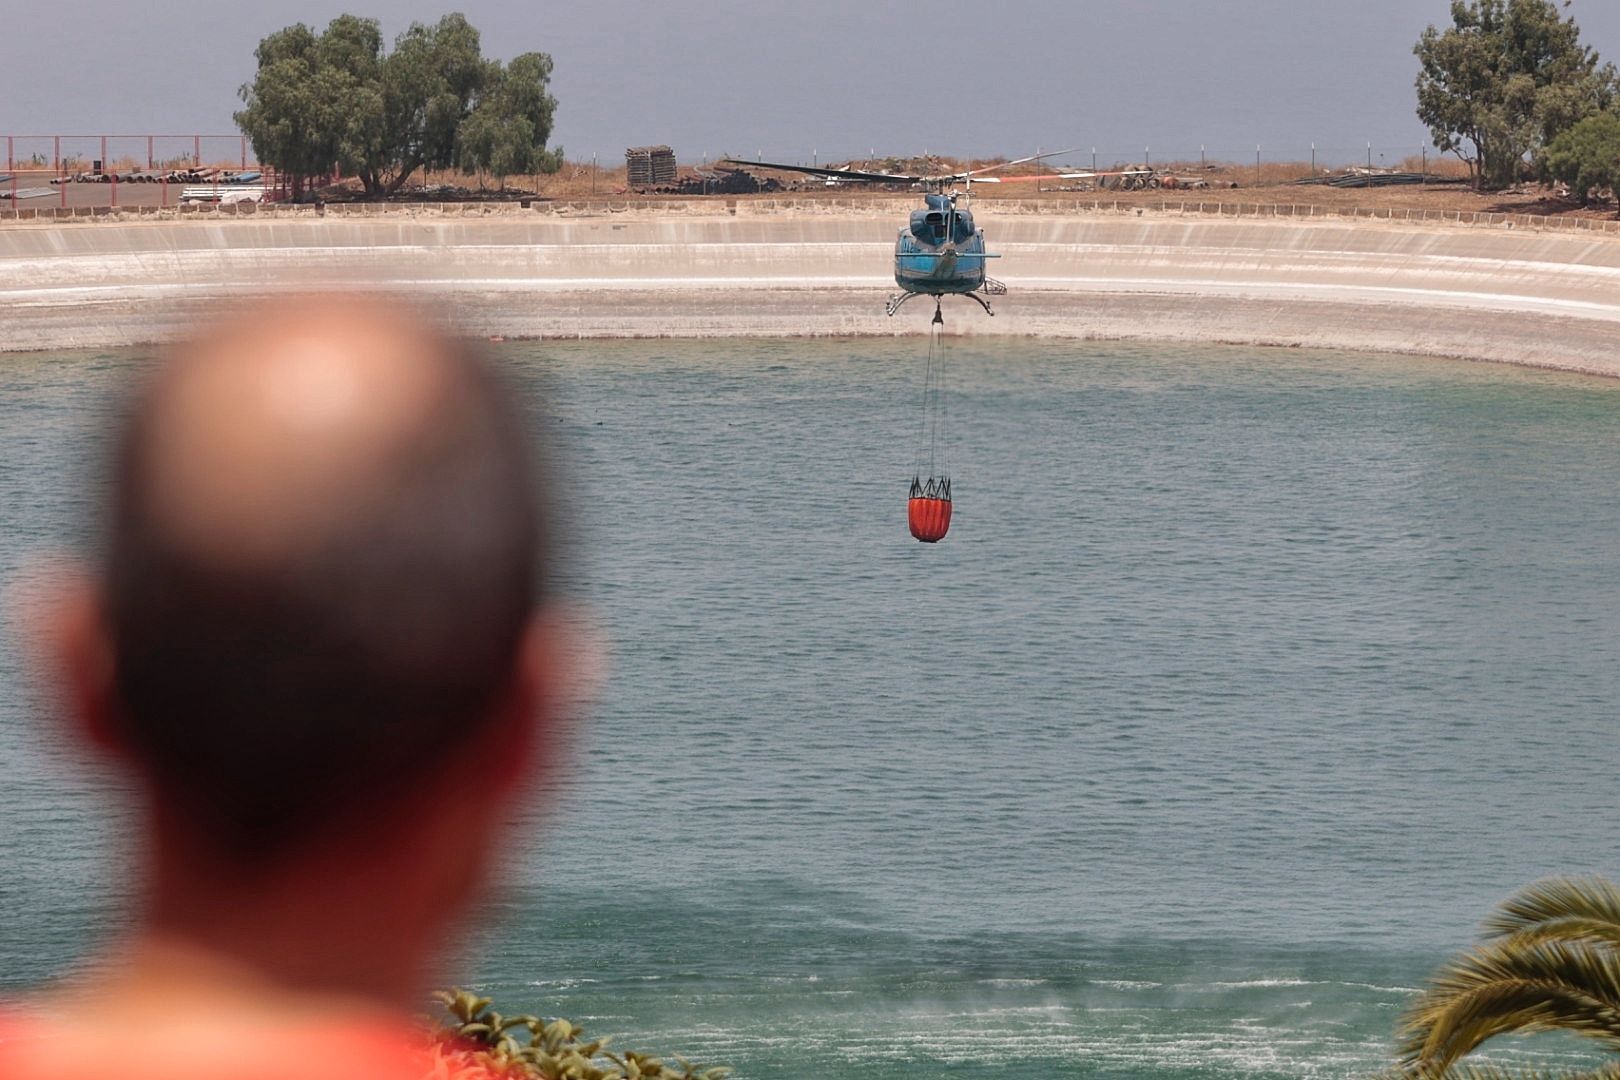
{"points": [[930, 519]]}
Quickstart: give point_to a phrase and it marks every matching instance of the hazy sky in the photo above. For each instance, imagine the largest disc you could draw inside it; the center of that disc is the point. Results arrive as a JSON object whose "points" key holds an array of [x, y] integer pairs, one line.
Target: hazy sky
{"points": [[834, 77]]}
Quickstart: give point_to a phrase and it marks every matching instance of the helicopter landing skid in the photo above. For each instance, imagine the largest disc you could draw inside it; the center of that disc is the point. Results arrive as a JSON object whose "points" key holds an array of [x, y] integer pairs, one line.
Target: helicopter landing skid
{"points": [[898, 300], [982, 302]]}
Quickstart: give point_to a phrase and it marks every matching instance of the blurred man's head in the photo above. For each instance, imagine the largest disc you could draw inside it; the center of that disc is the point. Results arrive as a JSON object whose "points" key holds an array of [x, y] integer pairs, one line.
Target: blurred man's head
{"points": [[323, 553], [313, 634]]}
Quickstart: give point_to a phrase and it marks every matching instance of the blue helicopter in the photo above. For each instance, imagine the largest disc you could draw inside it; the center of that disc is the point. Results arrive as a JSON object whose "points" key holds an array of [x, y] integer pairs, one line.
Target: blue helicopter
{"points": [[940, 252]]}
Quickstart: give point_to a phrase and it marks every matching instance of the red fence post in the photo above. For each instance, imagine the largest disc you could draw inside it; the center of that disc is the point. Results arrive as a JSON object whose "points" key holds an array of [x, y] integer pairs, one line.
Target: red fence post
{"points": [[11, 161], [244, 152], [104, 161], [196, 150], [56, 154], [14, 191], [61, 182], [114, 188], [149, 162], [163, 190]]}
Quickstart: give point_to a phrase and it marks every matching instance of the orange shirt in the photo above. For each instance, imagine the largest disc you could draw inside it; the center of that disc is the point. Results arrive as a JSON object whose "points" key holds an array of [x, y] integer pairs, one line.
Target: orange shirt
{"points": [[198, 1048]]}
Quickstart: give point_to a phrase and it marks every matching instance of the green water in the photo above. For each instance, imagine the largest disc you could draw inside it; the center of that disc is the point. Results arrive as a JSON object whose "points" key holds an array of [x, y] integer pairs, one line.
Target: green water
{"points": [[1245, 683]]}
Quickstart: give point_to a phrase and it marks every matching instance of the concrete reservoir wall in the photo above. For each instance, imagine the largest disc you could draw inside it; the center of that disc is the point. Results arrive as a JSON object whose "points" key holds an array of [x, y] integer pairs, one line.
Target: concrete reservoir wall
{"points": [[1491, 293]]}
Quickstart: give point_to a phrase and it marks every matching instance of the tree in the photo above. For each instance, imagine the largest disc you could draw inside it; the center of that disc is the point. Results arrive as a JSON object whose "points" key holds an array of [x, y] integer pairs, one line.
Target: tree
{"points": [[1586, 157], [1551, 961], [336, 100], [478, 1043], [1505, 78], [305, 106], [506, 134]]}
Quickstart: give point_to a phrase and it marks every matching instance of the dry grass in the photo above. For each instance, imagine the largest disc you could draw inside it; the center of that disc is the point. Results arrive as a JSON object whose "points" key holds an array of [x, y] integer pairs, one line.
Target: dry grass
{"points": [[1273, 184], [582, 180], [1436, 164]]}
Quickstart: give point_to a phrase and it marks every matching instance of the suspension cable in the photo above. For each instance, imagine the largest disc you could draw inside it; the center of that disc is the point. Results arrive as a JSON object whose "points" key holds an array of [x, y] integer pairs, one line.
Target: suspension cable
{"points": [[927, 398], [942, 447], [936, 361]]}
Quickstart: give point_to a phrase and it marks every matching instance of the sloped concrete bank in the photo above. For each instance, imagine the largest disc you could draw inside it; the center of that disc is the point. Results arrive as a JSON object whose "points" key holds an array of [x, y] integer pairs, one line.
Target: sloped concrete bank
{"points": [[1488, 292]]}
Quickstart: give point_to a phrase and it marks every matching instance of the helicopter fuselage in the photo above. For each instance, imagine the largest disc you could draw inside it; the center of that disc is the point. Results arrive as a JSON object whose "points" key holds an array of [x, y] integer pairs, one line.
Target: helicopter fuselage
{"points": [[940, 252]]}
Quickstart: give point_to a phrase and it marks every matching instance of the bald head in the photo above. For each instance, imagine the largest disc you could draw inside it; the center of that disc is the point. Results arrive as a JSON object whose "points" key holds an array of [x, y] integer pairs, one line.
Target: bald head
{"points": [[323, 552], [272, 431]]}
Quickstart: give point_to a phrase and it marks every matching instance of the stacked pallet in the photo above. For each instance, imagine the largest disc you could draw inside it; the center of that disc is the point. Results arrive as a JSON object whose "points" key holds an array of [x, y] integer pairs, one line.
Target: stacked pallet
{"points": [[649, 166]]}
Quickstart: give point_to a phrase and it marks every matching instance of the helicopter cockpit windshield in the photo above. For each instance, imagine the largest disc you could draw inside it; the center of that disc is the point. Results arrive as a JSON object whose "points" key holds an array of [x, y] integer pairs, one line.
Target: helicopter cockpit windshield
{"points": [[937, 224]]}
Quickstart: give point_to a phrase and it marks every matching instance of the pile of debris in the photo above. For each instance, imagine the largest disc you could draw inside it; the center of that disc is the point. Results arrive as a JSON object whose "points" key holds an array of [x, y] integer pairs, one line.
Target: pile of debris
{"points": [[170, 176], [1144, 177], [717, 181], [649, 166], [1359, 177]]}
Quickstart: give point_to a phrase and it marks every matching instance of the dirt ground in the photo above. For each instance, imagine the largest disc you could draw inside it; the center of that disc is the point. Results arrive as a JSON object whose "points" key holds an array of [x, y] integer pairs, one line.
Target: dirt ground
{"points": [[583, 181], [1532, 200], [1276, 185]]}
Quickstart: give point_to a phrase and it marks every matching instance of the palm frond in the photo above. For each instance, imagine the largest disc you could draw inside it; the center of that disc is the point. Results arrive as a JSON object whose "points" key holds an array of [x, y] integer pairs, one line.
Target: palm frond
{"points": [[1571, 929], [1488, 1071], [1456, 1026], [1498, 1072], [1500, 987], [1503, 1072], [1550, 960], [1593, 899], [1592, 969], [483, 1043]]}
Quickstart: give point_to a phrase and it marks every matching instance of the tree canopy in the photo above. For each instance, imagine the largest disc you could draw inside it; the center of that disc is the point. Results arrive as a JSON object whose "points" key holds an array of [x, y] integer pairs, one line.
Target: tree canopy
{"points": [[1505, 78], [506, 134], [1586, 157], [336, 101]]}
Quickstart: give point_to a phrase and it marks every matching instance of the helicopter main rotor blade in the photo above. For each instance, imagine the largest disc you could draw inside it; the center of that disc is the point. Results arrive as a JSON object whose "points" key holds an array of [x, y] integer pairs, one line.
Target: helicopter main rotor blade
{"points": [[1059, 176], [1051, 176], [1010, 164], [854, 175], [1092, 175], [1026, 179], [1087, 175], [973, 176]]}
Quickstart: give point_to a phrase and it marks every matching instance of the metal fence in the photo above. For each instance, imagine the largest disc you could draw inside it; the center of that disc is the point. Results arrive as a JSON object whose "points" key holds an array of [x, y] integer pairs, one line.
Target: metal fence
{"points": [[1261, 164], [1334, 155], [1258, 163], [112, 171], [135, 170], [65, 154]]}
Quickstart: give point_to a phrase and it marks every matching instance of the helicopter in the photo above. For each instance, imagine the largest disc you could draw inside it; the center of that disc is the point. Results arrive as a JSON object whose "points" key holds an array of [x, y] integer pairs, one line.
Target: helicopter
{"points": [[940, 252]]}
